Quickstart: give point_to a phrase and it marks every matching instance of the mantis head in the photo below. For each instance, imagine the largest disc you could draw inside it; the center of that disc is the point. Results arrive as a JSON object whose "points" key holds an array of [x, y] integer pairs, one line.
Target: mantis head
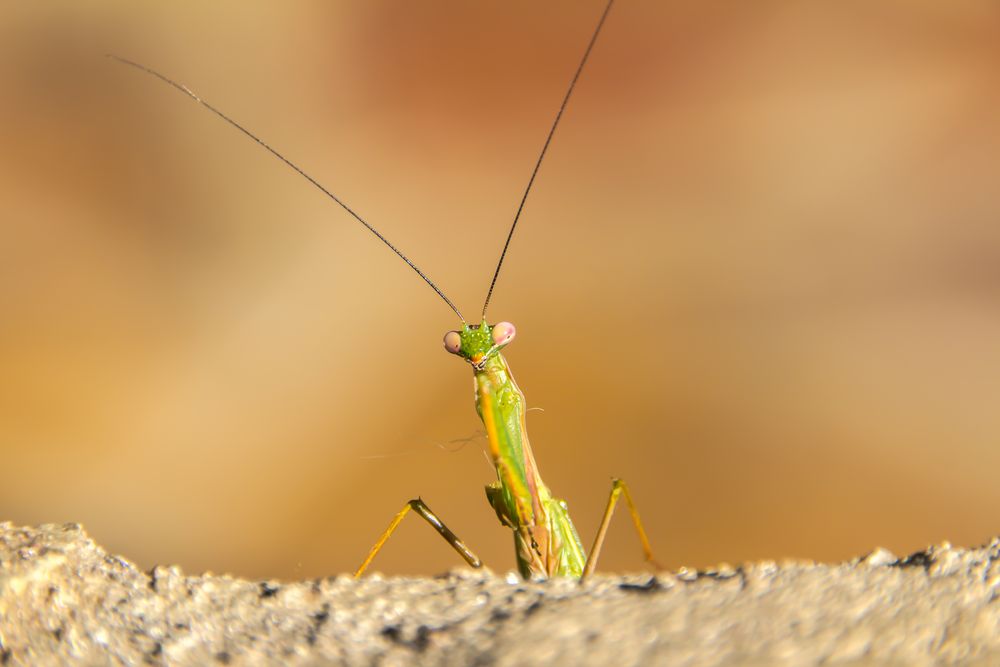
{"points": [[478, 343]]}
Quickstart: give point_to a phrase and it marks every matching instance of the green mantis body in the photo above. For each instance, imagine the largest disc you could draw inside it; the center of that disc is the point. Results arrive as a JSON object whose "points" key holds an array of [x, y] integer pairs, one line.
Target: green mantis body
{"points": [[546, 542]]}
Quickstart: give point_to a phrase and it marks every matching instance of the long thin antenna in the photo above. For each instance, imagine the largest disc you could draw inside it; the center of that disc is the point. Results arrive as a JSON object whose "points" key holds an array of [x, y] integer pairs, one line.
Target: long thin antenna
{"points": [[187, 91], [545, 147]]}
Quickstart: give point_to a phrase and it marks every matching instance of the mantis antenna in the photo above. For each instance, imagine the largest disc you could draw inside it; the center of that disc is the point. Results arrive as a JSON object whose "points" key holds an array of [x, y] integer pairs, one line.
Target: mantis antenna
{"points": [[187, 91], [517, 216], [545, 147]]}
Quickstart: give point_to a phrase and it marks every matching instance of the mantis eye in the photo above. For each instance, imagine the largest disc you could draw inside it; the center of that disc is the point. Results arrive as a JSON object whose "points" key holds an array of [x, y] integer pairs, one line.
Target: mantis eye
{"points": [[453, 342], [503, 333]]}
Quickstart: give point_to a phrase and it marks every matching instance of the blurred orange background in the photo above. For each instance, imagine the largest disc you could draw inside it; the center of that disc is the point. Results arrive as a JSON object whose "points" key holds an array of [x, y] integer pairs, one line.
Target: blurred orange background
{"points": [[758, 276]]}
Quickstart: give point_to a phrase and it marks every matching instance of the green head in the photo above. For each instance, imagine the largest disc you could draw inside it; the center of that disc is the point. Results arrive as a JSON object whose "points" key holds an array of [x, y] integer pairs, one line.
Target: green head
{"points": [[479, 342]]}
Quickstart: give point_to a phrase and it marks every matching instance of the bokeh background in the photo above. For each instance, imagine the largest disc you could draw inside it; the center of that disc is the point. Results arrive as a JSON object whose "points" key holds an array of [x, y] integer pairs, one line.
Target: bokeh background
{"points": [[758, 277]]}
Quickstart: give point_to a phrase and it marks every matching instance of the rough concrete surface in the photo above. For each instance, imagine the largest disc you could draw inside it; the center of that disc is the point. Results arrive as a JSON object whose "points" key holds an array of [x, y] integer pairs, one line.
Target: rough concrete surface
{"points": [[63, 599]]}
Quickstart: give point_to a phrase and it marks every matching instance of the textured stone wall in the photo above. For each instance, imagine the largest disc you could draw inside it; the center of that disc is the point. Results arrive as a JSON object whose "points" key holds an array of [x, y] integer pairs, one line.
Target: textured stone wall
{"points": [[64, 599]]}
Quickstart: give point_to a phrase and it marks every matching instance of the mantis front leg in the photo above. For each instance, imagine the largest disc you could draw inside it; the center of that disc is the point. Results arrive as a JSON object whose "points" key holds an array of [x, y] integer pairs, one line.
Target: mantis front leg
{"points": [[421, 508]]}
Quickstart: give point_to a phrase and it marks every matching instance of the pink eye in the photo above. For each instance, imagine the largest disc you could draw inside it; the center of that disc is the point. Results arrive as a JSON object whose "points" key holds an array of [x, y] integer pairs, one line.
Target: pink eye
{"points": [[503, 333], [453, 342]]}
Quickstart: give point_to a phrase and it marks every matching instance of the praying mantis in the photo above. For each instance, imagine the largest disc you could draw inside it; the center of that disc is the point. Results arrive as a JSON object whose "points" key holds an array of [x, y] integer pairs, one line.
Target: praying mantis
{"points": [[546, 543]]}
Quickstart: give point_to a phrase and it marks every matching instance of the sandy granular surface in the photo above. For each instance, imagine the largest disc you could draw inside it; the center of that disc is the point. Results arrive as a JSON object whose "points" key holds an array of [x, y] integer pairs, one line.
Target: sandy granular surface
{"points": [[63, 599]]}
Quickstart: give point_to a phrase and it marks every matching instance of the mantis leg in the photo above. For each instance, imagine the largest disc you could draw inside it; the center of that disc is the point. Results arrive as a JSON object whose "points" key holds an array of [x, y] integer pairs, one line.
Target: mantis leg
{"points": [[618, 488], [418, 506]]}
